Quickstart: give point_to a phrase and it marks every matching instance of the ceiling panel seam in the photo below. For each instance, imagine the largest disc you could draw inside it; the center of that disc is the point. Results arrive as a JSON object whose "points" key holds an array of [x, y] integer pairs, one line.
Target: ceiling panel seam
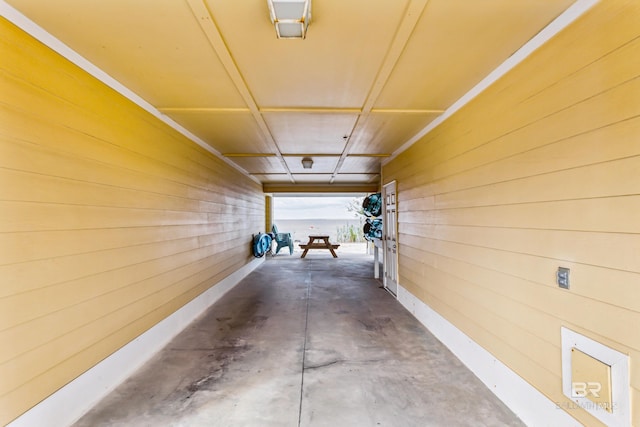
{"points": [[412, 15], [354, 93], [37, 32], [204, 110], [410, 19], [205, 19], [565, 19]]}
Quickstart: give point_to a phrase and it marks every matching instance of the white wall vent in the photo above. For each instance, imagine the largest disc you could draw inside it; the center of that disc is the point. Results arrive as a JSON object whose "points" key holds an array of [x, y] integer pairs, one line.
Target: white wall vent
{"points": [[596, 379]]}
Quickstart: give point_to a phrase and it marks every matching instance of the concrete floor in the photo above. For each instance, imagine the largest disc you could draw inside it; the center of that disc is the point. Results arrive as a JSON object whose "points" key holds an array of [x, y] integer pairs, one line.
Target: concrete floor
{"points": [[304, 342]]}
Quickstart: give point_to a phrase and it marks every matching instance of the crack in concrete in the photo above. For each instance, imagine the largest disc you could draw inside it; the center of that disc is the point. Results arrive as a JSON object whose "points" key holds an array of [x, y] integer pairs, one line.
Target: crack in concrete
{"points": [[304, 344], [322, 365]]}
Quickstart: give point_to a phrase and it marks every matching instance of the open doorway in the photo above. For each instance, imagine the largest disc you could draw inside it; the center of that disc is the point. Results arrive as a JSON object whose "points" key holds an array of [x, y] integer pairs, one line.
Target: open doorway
{"points": [[338, 216]]}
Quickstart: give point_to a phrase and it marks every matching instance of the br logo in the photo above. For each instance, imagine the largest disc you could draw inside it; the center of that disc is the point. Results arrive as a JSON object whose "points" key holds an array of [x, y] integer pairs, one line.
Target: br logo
{"points": [[582, 389]]}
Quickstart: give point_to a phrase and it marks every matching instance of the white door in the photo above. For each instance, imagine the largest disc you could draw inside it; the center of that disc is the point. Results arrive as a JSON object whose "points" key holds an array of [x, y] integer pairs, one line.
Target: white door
{"points": [[390, 238]]}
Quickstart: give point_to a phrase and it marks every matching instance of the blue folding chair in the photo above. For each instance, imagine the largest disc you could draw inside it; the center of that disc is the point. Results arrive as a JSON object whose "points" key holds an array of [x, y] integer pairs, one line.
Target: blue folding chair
{"points": [[282, 240]]}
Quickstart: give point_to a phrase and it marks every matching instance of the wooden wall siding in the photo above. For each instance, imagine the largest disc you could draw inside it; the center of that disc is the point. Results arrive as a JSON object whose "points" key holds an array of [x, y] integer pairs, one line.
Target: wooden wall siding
{"points": [[541, 170], [109, 221]]}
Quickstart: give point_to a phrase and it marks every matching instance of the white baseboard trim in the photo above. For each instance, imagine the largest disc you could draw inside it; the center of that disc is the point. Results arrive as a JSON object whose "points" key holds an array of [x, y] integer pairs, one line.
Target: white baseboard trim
{"points": [[72, 401], [530, 405]]}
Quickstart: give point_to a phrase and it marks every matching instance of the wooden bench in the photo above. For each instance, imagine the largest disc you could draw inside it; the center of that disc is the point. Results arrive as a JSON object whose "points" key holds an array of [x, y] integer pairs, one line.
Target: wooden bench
{"points": [[319, 246]]}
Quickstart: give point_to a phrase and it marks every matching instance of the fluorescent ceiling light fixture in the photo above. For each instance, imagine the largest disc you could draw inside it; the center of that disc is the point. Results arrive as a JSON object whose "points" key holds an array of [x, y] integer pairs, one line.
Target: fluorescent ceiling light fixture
{"points": [[307, 163], [290, 17]]}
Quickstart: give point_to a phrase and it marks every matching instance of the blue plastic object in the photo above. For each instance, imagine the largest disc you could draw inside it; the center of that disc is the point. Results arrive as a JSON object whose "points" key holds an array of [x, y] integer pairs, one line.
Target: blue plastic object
{"points": [[372, 205], [283, 240], [372, 229], [261, 244]]}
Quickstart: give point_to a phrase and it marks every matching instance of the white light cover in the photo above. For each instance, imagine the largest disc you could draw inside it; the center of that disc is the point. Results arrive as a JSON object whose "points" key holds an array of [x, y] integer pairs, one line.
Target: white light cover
{"points": [[290, 17], [289, 30], [292, 9]]}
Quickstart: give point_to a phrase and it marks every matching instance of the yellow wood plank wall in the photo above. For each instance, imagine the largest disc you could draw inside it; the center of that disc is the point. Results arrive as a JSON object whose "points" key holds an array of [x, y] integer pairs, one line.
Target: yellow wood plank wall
{"points": [[541, 170], [109, 221]]}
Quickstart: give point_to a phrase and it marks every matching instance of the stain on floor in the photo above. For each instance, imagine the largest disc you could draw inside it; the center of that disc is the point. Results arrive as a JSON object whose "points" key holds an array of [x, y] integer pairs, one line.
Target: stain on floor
{"points": [[304, 342]]}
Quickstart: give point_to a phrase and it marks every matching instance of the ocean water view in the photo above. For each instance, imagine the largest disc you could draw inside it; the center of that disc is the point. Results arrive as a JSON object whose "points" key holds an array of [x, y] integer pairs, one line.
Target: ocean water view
{"points": [[300, 229]]}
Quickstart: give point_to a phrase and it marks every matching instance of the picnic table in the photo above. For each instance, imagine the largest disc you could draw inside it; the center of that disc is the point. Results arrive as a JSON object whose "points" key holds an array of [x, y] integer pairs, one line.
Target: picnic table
{"points": [[319, 242]]}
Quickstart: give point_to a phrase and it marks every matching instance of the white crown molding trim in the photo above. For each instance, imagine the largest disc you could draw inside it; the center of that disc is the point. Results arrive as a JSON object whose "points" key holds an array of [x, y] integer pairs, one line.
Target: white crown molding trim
{"points": [[572, 13], [34, 30]]}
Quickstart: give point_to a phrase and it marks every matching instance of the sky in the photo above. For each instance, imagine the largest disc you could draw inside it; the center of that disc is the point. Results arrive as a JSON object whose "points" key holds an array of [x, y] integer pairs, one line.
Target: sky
{"points": [[313, 207]]}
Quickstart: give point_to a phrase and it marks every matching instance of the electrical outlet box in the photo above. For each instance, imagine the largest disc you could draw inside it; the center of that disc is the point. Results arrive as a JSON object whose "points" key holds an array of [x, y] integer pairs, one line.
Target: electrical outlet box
{"points": [[562, 277]]}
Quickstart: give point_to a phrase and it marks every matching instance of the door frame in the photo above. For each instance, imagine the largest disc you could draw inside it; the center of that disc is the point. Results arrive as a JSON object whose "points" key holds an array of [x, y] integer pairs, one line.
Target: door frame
{"points": [[385, 242]]}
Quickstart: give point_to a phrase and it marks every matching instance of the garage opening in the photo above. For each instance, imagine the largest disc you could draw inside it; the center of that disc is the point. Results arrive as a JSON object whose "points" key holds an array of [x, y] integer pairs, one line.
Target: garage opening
{"points": [[340, 217]]}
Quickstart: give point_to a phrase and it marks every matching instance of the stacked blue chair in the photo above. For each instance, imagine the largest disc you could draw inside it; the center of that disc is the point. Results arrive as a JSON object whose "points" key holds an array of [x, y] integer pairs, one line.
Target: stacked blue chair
{"points": [[282, 240]]}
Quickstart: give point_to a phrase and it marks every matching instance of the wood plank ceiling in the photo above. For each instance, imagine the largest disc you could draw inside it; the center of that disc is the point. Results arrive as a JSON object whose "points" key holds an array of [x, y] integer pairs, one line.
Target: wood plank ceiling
{"points": [[370, 75]]}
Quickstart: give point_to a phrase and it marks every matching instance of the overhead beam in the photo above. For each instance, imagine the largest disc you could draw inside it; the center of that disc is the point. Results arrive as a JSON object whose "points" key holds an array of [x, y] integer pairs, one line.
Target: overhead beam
{"points": [[333, 155], [574, 11], [250, 154], [369, 155], [37, 32], [404, 111], [320, 188], [304, 155], [412, 14], [204, 17], [203, 110], [301, 110], [315, 110]]}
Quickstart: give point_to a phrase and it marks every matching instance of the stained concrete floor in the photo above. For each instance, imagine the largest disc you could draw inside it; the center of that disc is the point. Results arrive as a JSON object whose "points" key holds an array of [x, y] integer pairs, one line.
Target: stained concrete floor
{"points": [[304, 342]]}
